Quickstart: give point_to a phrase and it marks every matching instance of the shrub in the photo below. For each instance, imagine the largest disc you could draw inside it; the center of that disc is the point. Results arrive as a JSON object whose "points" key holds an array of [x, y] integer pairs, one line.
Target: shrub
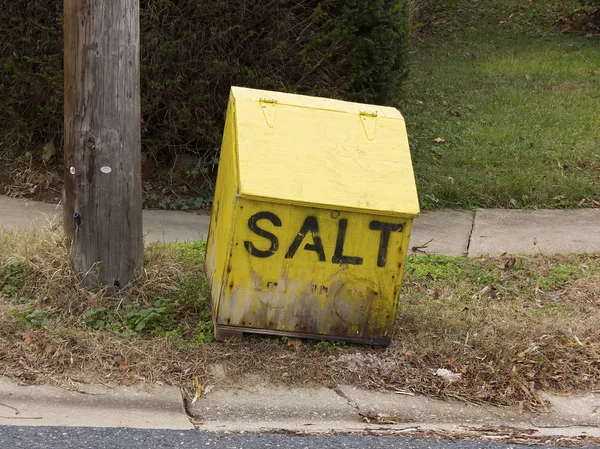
{"points": [[31, 86], [376, 33], [193, 51]]}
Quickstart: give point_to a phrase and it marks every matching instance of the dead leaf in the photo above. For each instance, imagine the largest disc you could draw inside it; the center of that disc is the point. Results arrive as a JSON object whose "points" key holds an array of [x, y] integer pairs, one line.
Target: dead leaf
{"points": [[527, 77], [439, 140], [198, 388], [49, 151], [295, 342], [523, 353], [381, 418], [421, 247], [27, 340], [507, 264], [123, 366]]}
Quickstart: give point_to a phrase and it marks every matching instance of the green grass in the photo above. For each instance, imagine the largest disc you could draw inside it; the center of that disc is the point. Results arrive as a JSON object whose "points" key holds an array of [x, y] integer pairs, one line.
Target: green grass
{"points": [[516, 104], [518, 280]]}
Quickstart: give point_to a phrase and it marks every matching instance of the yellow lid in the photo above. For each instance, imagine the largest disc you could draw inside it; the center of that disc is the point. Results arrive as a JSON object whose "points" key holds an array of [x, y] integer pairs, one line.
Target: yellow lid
{"points": [[323, 153]]}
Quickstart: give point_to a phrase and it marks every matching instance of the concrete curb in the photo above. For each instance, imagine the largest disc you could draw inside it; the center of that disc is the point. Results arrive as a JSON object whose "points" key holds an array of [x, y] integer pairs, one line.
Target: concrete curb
{"points": [[342, 409], [153, 407], [258, 408]]}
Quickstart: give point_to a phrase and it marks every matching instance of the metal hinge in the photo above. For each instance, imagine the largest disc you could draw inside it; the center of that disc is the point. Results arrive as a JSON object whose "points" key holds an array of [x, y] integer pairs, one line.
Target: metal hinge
{"points": [[369, 120], [269, 106]]}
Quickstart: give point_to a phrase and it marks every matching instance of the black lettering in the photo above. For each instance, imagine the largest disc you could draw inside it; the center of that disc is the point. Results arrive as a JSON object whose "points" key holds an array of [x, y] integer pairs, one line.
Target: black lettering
{"points": [[338, 255], [384, 240], [310, 225], [253, 226]]}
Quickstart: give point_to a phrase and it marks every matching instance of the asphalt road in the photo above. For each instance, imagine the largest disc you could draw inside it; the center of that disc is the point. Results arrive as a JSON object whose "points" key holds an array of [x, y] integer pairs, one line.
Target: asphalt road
{"points": [[101, 438]]}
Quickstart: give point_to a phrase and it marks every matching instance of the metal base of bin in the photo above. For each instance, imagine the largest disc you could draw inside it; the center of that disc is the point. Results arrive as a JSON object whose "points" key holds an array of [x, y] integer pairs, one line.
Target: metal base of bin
{"points": [[234, 333]]}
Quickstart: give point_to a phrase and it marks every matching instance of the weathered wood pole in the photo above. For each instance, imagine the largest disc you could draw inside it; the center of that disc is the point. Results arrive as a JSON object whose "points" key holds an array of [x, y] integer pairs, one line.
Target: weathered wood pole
{"points": [[103, 201]]}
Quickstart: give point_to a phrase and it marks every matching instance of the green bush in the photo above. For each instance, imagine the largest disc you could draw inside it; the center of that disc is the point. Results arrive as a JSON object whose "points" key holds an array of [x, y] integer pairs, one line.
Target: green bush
{"points": [[376, 33], [192, 52], [31, 86]]}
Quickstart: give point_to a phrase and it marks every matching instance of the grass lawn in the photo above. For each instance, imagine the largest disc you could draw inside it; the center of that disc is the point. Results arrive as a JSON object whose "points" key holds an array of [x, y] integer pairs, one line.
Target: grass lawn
{"points": [[503, 110], [505, 326]]}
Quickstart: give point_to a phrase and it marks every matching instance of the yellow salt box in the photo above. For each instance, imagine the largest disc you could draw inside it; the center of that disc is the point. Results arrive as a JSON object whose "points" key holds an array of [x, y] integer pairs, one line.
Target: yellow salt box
{"points": [[313, 207]]}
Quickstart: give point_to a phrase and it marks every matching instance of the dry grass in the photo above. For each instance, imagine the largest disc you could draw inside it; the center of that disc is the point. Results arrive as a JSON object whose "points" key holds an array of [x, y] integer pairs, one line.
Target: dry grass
{"points": [[508, 326], [47, 278], [492, 322]]}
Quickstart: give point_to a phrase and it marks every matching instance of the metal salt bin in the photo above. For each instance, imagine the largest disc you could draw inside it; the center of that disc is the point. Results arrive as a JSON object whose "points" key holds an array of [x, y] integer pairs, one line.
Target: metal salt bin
{"points": [[311, 219]]}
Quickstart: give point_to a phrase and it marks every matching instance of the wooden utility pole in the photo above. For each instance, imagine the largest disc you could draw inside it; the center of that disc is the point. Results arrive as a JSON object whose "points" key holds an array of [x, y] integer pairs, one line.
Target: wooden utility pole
{"points": [[103, 201]]}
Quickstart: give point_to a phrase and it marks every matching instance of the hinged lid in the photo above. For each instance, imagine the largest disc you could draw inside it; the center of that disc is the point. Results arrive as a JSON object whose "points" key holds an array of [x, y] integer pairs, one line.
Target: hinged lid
{"points": [[324, 153]]}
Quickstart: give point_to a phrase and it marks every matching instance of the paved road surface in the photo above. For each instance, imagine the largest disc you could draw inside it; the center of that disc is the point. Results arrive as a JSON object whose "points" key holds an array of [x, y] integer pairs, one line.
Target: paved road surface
{"points": [[115, 438]]}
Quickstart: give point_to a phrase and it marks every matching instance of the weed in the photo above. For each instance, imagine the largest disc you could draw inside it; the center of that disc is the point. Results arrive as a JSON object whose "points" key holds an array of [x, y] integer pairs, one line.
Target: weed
{"points": [[327, 345], [12, 277], [97, 318], [33, 317], [190, 252], [158, 318], [205, 332], [66, 332]]}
